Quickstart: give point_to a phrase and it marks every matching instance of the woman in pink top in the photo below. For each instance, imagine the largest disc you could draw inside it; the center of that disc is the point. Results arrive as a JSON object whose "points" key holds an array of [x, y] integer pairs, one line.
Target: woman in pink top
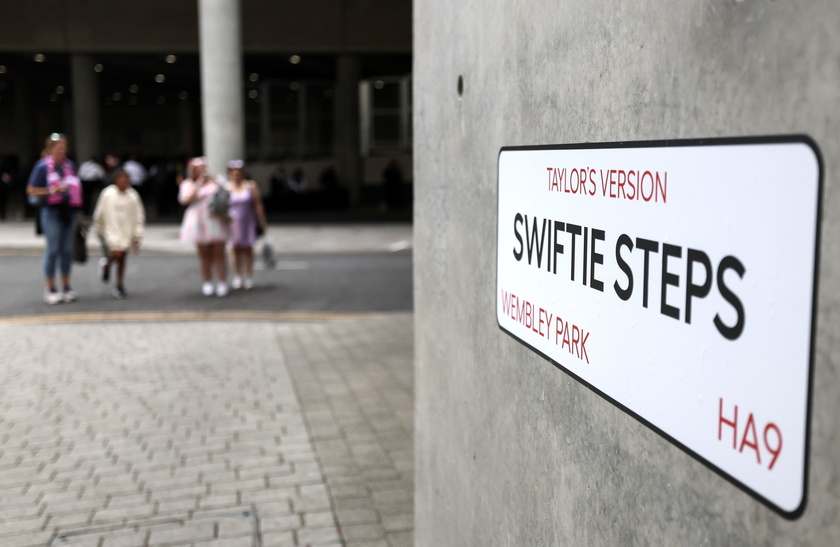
{"points": [[246, 212], [206, 231]]}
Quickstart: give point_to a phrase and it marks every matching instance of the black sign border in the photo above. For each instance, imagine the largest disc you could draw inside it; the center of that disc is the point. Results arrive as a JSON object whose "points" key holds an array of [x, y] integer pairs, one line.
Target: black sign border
{"points": [[682, 143]]}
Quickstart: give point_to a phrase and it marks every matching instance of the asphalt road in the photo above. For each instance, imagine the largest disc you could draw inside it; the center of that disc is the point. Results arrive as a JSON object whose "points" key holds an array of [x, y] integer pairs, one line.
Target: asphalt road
{"points": [[311, 283]]}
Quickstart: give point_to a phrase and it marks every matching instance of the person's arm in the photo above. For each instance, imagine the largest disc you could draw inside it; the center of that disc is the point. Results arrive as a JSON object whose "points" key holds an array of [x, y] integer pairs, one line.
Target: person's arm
{"points": [[37, 184], [258, 206], [99, 216], [141, 220], [188, 192]]}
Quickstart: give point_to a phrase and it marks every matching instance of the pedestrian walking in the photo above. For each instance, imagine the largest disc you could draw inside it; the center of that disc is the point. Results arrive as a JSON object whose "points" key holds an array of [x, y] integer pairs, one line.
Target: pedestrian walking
{"points": [[118, 220], [247, 217], [53, 182], [208, 232]]}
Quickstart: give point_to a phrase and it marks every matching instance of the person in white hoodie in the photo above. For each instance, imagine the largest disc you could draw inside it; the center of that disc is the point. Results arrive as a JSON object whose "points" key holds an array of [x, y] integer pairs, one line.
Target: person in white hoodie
{"points": [[118, 220]]}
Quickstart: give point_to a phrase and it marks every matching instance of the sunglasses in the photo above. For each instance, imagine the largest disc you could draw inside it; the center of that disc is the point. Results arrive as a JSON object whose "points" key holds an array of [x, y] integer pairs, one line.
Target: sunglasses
{"points": [[55, 137]]}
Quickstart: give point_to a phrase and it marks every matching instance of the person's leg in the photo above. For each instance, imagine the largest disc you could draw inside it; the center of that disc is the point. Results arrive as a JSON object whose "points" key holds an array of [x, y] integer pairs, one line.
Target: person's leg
{"points": [[65, 254], [248, 261], [205, 261], [237, 261], [218, 249], [248, 267], [50, 228], [220, 263], [119, 257]]}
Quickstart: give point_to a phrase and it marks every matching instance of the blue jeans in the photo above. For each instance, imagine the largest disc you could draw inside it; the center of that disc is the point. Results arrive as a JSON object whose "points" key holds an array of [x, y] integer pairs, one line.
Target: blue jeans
{"points": [[59, 234]]}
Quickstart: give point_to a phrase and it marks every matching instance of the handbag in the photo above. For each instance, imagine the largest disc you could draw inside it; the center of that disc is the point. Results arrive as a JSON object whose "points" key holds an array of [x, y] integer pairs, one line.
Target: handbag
{"points": [[220, 202], [80, 244], [268, 258]]}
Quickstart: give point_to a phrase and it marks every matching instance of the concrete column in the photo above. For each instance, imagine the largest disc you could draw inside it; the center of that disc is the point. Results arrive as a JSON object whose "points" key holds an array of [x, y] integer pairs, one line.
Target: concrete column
{"points": [[347, 126], [223, 111], [85, 107]]}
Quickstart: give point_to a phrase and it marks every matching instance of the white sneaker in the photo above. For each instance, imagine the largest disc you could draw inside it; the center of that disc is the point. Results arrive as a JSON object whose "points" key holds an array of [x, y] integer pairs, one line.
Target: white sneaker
{"points": [[207, 288], [53, 297], [221, 289], [248, 284], [68, 295], [236, 283]]}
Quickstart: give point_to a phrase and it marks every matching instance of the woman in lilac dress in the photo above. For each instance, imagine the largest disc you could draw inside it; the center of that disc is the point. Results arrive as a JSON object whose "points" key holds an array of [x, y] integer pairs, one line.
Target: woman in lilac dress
{"points": [[246, 213]]}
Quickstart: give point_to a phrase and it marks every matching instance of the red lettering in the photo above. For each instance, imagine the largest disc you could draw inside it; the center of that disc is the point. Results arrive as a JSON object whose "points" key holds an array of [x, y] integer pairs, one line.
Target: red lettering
{"points": [[773, 450], [733, 424], [622, 179], [583, 348], [749, 437], [754, 444]]}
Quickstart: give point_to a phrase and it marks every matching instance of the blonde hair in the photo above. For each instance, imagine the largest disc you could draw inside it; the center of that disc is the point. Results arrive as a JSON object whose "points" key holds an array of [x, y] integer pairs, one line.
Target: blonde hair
{"points": [[51, 141]]}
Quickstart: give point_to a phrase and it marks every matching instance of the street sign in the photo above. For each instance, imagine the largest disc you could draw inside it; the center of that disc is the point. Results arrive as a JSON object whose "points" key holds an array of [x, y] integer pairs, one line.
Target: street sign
{"points": [[677, 279]]}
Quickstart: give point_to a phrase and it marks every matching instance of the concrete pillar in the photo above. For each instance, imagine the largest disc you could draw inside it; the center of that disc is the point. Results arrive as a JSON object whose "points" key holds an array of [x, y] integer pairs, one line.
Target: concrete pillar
{"points": [[347, 126], [85, 107], [223, 112]]}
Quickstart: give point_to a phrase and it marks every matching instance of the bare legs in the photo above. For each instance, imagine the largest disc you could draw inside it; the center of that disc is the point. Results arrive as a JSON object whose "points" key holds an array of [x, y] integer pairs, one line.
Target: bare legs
{"points": [[211, 256], [243, 261]]}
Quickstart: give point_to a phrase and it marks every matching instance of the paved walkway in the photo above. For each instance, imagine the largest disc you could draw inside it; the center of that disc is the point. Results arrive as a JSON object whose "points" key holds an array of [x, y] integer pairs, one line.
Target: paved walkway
{"points": [[173, 432], [288, 239], [207, 433]]}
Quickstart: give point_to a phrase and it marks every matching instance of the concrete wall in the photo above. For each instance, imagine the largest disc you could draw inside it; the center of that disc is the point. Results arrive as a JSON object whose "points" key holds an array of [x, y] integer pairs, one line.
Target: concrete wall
{"points": [[510, 450]]}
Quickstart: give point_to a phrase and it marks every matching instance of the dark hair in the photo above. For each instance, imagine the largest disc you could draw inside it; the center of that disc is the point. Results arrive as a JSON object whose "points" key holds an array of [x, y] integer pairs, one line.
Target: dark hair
{"points": [[117, 173]]}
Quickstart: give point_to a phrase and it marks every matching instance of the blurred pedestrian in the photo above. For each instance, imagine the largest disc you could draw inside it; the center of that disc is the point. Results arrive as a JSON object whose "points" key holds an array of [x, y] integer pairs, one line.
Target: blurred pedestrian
{"points": [[92, 175], [247, 216], [206, 231], [111, 163], [54, 182], [118, 221], [137, 173]]}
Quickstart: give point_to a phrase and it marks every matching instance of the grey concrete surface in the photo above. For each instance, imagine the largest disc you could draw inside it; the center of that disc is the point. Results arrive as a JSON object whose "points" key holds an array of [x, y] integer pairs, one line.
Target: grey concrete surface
{"points": [[207, 433], [509, 450], [19, 237]]}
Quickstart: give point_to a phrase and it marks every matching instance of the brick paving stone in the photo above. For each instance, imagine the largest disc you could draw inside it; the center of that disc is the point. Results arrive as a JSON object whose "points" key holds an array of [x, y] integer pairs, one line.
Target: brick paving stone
{"points": [[347, 517], [362, 532], [401, 539], [279, 522], [279, 539], [165, 427], [234, 527], [188, 533], [318, 536]]}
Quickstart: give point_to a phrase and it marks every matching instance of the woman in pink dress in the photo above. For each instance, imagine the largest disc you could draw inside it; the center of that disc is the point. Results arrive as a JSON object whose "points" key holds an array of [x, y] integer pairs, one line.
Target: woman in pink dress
{"points": [[200, 228], [246, 212]]}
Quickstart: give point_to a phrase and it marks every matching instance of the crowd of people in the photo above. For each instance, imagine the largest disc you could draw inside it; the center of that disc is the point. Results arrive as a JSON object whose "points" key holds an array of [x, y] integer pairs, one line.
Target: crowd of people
{"points": [[220, 214]]}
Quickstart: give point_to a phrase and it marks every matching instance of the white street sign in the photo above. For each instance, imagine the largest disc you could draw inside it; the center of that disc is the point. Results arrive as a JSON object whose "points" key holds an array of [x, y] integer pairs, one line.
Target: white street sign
{"points": [[678, 280]]}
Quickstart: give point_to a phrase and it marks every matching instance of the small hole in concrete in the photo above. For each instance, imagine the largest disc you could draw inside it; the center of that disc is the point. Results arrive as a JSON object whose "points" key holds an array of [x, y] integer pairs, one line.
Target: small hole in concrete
{"points": [[460, 86]]}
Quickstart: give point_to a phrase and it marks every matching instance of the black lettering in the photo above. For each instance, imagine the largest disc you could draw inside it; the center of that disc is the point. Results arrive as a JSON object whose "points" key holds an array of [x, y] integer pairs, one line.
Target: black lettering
{"points": [[558, 247], [518, 255], [573, 229], [595, 258], [730, 263], [624, 241], [692, 290], [534, 241], [669, 279], [648, 246]]}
